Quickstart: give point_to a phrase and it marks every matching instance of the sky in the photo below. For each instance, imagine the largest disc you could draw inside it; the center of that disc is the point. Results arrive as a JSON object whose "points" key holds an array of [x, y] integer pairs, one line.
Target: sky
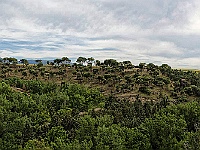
{"points": [[149, 31]]}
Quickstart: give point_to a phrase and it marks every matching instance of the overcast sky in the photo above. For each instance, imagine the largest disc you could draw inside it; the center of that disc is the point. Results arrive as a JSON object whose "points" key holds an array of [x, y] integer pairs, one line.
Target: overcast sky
{"points": [[157, 31]]}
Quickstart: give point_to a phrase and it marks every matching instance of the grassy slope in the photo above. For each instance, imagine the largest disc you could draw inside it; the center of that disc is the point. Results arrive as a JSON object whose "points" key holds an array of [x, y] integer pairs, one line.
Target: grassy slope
{"points": [[107, 88]]}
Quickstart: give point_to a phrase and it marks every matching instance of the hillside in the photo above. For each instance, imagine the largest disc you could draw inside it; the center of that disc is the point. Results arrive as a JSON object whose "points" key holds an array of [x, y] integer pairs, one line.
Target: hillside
{"points": [[108, 105], [121, 79]]}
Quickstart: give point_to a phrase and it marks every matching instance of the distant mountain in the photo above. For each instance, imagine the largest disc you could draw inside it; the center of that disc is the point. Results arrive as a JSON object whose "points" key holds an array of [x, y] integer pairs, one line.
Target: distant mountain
{"points": [[31, 61]]}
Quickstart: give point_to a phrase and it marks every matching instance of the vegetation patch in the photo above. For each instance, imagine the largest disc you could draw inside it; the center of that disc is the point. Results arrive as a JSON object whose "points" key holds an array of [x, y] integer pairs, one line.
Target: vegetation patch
{"points": [[98, 105]]}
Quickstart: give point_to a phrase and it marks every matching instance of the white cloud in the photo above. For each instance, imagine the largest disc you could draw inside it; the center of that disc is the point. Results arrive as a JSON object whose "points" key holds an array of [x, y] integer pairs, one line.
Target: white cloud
{"points": [[150, 31]]}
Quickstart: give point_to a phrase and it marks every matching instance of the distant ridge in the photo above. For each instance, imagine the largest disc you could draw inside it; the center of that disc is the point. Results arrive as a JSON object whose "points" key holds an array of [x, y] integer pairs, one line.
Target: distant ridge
{"points": [[32, 61]]}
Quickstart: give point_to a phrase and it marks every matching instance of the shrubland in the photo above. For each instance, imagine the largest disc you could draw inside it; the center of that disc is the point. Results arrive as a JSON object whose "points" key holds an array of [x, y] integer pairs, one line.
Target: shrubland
{"points": [[110, 105]]}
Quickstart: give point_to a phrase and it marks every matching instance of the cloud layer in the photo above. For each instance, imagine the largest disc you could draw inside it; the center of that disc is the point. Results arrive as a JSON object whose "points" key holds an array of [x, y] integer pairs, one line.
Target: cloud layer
{"points": [[141, 31]]}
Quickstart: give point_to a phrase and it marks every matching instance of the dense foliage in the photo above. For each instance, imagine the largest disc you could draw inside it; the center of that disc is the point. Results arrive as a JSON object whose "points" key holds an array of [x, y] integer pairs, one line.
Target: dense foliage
{"points": [[98, 105], [42, 115]]}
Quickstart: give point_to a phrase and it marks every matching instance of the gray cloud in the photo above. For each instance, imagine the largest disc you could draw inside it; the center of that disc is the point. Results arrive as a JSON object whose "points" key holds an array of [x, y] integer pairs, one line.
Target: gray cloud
{"points": [[141, 31]]}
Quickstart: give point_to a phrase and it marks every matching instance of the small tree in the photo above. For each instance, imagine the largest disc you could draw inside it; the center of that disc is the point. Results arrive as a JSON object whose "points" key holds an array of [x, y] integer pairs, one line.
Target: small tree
{"points": [[81, 60], [38, 60], [90, 60], [142, 65], [66, 59], [98, 63], [24, 62], [57, 61]]}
